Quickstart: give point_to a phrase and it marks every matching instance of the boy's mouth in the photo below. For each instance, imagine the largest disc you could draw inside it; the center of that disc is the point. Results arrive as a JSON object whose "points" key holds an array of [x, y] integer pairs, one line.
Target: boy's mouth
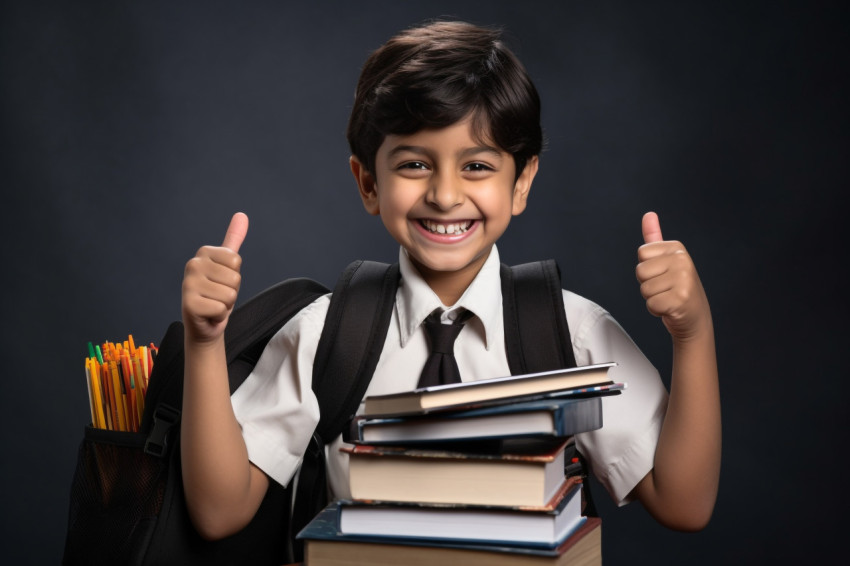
{"points": [[434, 227]]}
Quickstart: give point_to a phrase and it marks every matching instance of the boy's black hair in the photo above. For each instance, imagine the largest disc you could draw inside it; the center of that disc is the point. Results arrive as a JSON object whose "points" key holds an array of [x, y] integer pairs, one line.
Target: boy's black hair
{"points": [[437, 74]]}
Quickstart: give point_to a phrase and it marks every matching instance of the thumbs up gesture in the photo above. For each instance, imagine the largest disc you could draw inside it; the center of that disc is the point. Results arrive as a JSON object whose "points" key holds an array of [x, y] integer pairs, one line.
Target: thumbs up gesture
{"points": [[211, 284], [670, 284]]}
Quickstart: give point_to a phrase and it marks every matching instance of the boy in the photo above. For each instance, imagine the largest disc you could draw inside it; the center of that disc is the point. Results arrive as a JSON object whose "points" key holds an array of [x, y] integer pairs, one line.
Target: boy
{"points": [[445, 136]]}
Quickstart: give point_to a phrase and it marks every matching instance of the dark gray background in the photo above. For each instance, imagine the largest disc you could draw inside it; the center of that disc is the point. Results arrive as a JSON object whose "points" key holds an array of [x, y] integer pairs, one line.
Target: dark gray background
{"points": [[131, 131]]}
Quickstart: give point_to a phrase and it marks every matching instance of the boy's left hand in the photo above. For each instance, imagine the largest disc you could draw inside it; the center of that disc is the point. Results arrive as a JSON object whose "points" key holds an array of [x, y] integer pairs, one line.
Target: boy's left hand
{"points": [[670, 284]]}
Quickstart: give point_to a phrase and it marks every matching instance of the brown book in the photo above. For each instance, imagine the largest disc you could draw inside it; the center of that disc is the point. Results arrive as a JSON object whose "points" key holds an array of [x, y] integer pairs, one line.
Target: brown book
{"points": [[585, 380], [529, 473], [582, 548]]}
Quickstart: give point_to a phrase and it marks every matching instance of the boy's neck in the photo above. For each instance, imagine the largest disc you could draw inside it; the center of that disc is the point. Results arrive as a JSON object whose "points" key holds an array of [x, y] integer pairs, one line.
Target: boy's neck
{"points": [[449, 286]]}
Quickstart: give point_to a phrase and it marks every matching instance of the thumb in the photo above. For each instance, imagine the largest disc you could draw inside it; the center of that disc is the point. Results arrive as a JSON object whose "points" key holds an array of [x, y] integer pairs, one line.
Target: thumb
{"points": [[651, 228], [236, 232]]}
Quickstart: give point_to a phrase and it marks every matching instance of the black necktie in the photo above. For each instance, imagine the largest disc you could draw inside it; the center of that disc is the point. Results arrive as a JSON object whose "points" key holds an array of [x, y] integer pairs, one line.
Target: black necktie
{"points": [[441, 366]]}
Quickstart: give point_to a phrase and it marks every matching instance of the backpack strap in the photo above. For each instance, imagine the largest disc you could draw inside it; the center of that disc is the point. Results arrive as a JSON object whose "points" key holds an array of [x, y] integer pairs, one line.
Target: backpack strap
{"points": [[537, 337], [249, 329], [535, 340], [253, 324], [349, 348], [352, 340]]}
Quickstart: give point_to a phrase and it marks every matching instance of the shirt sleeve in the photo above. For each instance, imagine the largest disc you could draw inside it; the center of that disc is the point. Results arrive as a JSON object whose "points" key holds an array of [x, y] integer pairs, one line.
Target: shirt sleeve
{"points": [[275, 405], [622, 452]]}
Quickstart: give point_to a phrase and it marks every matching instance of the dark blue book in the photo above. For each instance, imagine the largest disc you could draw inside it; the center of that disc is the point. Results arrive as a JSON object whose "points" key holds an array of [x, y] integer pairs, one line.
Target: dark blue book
{"points": [[326, 544], [553, 417]]}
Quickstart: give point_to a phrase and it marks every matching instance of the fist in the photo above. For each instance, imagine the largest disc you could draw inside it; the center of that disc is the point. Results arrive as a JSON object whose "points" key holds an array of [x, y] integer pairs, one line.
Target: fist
{"points": [[669, 282], [211, 283]]}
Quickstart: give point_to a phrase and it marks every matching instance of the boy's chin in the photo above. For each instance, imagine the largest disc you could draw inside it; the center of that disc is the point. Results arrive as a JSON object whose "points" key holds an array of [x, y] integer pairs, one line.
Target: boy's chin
{"points": [[445, 265]]}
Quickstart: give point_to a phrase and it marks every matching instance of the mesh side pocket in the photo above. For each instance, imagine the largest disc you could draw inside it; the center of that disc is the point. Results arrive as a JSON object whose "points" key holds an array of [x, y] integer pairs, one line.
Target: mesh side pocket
{"points": [[116, 496]]}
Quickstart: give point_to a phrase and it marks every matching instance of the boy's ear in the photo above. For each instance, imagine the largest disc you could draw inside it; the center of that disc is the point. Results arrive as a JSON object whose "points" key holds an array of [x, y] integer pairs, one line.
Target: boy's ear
{"points": [[523, 185], [366, 185]]}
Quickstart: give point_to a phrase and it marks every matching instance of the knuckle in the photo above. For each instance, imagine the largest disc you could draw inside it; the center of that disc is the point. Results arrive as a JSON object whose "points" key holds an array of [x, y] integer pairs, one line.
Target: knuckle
{"points": [[681, 257], [192, 265], [229, 296], [652, 306], [204, 251], [645, 252], [229, 259]]}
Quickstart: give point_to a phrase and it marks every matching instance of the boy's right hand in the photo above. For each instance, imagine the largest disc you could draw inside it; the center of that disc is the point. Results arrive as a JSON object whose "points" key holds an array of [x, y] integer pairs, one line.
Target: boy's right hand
{"points": [[211, 284]]}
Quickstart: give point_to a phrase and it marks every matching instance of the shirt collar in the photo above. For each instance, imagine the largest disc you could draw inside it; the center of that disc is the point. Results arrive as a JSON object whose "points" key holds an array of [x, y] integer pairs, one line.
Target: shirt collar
{"points": [[415, 300]]}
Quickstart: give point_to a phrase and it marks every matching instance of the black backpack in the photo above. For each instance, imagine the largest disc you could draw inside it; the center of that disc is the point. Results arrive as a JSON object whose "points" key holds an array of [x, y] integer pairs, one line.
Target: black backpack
{"points": [[127, 504]]}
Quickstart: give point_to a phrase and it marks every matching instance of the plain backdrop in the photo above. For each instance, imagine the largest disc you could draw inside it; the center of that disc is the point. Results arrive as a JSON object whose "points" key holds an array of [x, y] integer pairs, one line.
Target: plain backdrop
{"points": [[131, 131]]}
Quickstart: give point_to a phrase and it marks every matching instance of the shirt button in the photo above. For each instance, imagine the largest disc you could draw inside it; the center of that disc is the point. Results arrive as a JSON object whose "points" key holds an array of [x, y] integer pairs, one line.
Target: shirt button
{"points": [[452, 315]]}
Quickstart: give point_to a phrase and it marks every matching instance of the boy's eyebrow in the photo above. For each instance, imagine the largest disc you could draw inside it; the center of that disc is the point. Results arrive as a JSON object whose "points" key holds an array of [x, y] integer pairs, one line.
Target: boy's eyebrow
{"points": [[481, 149], [466, 152]]}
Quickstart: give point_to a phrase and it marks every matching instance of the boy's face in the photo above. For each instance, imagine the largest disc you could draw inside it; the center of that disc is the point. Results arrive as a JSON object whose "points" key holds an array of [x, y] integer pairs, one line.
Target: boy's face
{"points": [[445, 197]]}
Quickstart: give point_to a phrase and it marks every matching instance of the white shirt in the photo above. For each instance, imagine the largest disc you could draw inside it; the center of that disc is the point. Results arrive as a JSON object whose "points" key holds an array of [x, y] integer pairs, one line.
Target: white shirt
{"points": [[278, 411]]}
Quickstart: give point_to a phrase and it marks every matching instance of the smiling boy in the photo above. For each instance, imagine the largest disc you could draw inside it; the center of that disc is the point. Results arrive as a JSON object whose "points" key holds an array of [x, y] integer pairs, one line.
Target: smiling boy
{"points": [[445, 198], [445, 137]]}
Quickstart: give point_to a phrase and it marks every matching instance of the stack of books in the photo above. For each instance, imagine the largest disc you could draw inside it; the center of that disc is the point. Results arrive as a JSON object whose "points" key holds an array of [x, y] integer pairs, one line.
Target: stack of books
{"points": [[483, 472]]}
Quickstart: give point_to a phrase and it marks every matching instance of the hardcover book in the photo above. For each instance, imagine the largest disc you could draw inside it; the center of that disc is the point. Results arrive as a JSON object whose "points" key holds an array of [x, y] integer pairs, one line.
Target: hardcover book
{"points": [[326, 545], [545, 526], [553, 417], [585, 380], [526, 473]]}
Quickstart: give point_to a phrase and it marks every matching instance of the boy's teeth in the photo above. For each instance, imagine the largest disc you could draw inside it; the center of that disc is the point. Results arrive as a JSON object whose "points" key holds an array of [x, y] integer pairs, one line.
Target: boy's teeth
{"points": [[454, 228]]}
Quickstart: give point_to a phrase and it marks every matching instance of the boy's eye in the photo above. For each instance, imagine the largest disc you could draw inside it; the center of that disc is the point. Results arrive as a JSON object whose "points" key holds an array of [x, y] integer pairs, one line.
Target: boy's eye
{"points": [[477, 166], [413, 165]]}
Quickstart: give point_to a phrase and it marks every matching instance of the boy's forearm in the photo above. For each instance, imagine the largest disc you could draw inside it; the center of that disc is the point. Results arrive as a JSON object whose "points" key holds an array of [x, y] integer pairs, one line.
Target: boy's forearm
{"points": [[682, 488], [222, 490]]}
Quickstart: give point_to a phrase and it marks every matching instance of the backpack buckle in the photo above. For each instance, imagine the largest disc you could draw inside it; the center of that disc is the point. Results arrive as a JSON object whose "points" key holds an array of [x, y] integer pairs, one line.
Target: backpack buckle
{"points": [[164, 417]]}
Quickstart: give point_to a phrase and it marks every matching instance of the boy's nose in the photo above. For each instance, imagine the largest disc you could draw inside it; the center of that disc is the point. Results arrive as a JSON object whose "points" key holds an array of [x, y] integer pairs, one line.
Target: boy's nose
{"points": [[444, 192]]}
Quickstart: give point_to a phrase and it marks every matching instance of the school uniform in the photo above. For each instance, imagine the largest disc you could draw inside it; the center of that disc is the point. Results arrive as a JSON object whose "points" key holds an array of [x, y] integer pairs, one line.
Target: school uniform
{"points": [[278, 411]]}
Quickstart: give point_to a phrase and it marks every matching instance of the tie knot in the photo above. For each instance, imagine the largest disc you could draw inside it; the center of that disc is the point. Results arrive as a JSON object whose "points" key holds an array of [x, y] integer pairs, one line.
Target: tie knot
{"points": [[441, 366], [443, 336]]}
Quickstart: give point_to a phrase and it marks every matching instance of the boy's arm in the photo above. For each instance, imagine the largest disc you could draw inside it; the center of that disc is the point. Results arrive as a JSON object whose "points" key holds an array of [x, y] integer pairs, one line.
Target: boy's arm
{"points": [[681, 489], [223, 489]]}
